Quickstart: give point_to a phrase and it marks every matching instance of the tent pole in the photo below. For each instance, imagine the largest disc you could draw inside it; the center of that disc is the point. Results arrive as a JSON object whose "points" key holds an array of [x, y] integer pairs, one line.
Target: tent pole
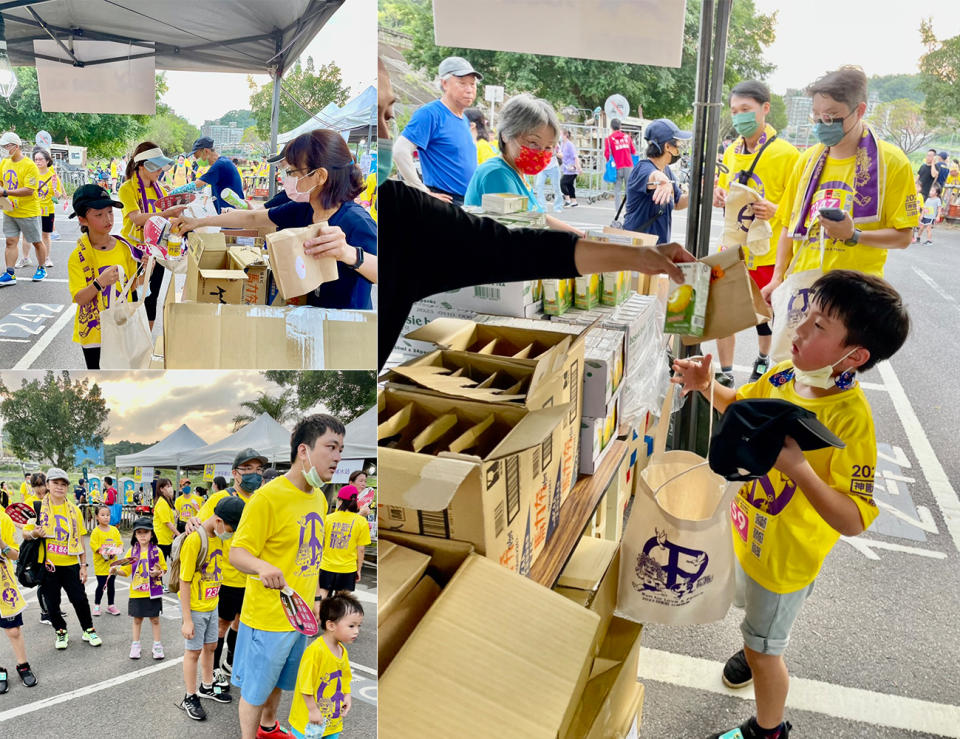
{"points": [[275, 114]]}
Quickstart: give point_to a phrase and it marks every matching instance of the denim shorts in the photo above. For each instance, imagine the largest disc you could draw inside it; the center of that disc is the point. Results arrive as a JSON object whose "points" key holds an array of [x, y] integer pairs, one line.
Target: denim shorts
{"points": [[204, 630], [768, 617], [264, 660]]}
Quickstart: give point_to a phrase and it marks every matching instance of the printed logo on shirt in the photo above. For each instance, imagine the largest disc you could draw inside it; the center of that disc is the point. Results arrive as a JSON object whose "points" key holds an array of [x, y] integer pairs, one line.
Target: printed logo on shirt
{"points": [[330, 707], [340, 534], [310, 549], [861, 480], [10, 180], [832, 194], [911, 205], [44, 189], [762, 493]]}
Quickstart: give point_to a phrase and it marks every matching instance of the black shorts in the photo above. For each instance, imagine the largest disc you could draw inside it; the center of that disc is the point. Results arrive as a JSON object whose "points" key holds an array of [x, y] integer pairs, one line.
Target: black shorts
{"points": [[12, 622], [166, 548], [46, 224], [334, 581], [144, 607], [231, 601], [181, 527]]}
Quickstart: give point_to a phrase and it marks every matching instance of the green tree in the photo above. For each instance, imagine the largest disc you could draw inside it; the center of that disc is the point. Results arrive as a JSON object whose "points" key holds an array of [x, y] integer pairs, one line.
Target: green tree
{"points": [[940, 76], [171, 132], [279, 407], [50, 419], [896, 86], [313, 87], [243, 119], [901, 122], [112, 451], [344, 393], [586, 83]]}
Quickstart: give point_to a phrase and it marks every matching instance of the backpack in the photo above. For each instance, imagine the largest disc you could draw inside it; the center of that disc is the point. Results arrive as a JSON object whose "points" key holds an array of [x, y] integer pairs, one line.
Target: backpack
{"points": [[33, 555], [173, 567]]}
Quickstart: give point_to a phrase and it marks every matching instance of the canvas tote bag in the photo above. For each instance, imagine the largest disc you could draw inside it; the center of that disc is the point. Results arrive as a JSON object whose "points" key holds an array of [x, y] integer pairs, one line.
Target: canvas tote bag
{"points": [[677, 559], [790, 302], [125, 341]]}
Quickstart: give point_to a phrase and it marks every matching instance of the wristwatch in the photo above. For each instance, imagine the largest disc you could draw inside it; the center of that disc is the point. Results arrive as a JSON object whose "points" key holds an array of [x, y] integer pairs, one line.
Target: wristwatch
{"points": [[98, 286], [359, 261], [855, 239]]}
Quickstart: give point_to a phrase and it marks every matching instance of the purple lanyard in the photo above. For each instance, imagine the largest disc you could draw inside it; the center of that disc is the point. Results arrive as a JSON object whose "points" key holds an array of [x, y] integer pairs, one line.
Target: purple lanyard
{"points": [[143, 194]]}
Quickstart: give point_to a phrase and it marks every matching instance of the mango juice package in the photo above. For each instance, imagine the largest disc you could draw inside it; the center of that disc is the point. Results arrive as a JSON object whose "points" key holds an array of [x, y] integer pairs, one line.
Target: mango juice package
{"points": [[587, 292], [557, 297], [687, 303]]}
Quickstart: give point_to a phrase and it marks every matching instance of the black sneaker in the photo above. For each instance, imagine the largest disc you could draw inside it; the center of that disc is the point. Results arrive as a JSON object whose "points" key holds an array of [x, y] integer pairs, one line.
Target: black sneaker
{"points": [[746, 731], [191, 704], [725, 379], [4, 685], [215, 693], [26, 674], [737, 673], [760, 367]]}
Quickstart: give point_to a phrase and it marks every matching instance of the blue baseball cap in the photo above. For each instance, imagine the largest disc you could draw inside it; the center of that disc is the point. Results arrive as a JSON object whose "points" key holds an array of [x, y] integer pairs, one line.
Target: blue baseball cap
{"points": [[663, 130], [204, 142]]}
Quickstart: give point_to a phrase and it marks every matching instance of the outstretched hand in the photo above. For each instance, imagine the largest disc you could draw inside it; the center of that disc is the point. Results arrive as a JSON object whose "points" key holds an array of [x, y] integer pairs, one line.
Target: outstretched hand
{"points": [[692, 374]]}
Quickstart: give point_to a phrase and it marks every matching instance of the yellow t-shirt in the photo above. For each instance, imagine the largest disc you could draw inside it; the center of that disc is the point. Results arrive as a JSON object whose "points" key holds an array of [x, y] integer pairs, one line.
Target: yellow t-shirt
{"points": [[327, 678], [163, 514], [369, 195], [205, 584], [47, 185], [140, 584], [30, 499], [179, 174], [202, 168], [780, 539], [113, 168], [953, 179], [15, 175], [343, 532], [129, 195], [58, 532], [98, 539], [281, 525], [187, 506], [485, 151], [25, 490], [86, 322], [12, 601], [232, 577], [769, 179], [900, 210]]}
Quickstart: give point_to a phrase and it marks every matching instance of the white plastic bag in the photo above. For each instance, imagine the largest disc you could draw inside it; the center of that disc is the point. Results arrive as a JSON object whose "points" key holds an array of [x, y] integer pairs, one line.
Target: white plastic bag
{"points": [[790, 302], [125, 340]]}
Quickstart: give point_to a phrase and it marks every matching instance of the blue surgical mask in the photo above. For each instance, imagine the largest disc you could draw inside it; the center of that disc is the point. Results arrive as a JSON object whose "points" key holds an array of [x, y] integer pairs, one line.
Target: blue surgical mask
{"points": [[251, 481], [384, 160], [745, 123], [829, 134], [186, 489]]}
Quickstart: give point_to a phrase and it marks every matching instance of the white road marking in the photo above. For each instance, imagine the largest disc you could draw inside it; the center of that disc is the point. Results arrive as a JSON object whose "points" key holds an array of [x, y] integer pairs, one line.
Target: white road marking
{"points": [[866, 547], [17, 341], [365, 596], [940, 487], [44, 341], [852, 704], [936, 288], [87, 690], [923, 521], [361, 668], [898, 458]]}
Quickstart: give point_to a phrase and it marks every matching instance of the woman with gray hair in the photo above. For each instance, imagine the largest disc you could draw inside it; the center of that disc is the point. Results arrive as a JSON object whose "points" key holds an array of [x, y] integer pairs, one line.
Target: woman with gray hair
{"points": [[528, 132]]}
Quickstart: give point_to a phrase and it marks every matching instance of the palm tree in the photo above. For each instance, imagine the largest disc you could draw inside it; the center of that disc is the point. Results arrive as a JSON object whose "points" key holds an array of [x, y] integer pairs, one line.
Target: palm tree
{"points": [[280, 408]]}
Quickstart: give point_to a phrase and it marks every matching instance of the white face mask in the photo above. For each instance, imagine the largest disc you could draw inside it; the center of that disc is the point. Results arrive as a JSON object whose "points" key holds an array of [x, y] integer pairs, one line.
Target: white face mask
{"points": [[822, 378]]}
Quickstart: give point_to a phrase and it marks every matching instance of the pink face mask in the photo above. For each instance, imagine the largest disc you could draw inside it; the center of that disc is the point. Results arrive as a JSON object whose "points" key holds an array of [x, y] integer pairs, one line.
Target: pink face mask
{"points": [[290, 188]]}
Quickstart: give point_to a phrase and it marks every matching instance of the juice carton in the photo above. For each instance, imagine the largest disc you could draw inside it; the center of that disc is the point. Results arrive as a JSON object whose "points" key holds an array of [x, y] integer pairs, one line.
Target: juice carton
{"points": [[557, 297], [586, 292], [687, 303]]}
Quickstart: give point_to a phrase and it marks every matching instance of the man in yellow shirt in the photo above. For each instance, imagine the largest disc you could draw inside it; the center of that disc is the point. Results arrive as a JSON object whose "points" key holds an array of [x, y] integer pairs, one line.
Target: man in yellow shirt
{"points": [[279, 543], [763, 161], [25, 488], [785, 523], [19, 175]]}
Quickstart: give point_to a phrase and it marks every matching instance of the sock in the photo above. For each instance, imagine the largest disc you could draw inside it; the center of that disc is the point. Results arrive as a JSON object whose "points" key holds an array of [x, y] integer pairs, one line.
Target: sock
{"points": [[766, 733], [135, 642], [763, 356], [270, 728], [218, 652], [207, 687], [727, 370], [9, 270]]}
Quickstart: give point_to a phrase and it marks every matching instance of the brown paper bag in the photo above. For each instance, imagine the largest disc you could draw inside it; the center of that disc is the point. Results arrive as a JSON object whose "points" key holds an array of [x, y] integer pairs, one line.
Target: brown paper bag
{"points": [[735, 302], [296, 272]]}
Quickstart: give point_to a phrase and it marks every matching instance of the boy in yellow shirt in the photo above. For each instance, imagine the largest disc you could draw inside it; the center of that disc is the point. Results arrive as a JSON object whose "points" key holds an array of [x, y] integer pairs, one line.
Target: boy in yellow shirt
{"points": [[280, 540], [321, 698], [199, 591], [187, 505], [785, 523], [11, 604]]}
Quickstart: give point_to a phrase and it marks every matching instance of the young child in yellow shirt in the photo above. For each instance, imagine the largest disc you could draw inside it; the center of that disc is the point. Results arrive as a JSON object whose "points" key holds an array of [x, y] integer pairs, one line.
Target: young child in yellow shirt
{"points": [[146, 586], [11, 605], [106, 545], [321, 699]]}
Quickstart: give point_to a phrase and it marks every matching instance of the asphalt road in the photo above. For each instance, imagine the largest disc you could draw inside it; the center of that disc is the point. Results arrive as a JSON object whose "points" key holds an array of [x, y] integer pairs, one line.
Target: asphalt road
{"points": [[875, 651], [90, 693]]}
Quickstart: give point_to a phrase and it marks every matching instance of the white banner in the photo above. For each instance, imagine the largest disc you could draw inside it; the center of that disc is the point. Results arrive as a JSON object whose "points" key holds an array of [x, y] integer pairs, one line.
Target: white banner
{"points": [[344, 469]]}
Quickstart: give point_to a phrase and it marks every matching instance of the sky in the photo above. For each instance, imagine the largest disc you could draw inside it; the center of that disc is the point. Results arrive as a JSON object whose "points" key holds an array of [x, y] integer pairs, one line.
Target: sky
{"points": [[882, 36], [146, 406], [349, 39]]}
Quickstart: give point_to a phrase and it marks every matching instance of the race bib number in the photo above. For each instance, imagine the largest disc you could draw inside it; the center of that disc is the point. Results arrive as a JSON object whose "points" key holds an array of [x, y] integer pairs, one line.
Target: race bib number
{"points": [[740, 521], [211, 592], [57, 549]]}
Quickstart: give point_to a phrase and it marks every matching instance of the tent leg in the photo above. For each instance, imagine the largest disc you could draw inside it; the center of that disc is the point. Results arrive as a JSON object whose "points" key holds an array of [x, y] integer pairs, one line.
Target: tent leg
{"points": [[274, 125]]}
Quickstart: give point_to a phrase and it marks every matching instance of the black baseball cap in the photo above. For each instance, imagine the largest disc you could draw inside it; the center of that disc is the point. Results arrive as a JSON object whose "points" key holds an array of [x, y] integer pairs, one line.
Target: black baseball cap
{"points": [[144, 522], [246, 455], [91, 197], [751, 432], [204, 142], [229, 509]]}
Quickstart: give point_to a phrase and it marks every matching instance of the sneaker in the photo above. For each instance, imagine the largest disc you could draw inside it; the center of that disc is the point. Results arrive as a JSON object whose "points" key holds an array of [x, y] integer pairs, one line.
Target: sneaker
{"points": [[760, 367], [737, 673], [40, 274], [928, 243], [746, 730], [26, 675], [21, 263], [4, 685], [48, 263], [55, 236], [221, 680], [573, 205], [191, 704], [62, 639], [7, 279], [157, 650], [725, 379], [227, 666], [113, 610], [45, 619], [135, 650], [90, 635], [96, 610], [215, 693], [277, 732]]}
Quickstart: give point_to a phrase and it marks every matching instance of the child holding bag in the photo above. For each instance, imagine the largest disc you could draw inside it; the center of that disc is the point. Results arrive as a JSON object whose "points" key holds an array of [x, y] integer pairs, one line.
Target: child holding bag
{"points": [[146, 588], [99, 262], [106, 544]]}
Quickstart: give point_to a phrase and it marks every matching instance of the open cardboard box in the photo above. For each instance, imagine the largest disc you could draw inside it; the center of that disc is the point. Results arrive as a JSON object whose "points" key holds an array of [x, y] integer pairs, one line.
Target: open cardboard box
{"points": [[602, 600], [209, 276], [501, 656], [482, 473]]}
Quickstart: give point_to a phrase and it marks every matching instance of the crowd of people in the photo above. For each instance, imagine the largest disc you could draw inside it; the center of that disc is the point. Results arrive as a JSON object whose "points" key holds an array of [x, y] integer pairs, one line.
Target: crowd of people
{"points": [[249, 539]]}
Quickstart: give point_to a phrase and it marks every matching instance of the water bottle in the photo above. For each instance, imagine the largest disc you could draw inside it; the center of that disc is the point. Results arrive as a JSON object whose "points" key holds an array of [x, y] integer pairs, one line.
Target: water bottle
{"points": [[315, 731], [235, 200]]}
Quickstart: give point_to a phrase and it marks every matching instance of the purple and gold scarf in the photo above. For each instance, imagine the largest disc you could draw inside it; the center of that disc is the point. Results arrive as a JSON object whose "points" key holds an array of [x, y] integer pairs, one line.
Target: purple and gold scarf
{"points": [[869, 181]]}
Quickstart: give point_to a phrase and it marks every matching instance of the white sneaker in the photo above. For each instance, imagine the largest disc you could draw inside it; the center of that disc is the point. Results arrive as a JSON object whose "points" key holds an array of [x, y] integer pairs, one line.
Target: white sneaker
{"points": [[48, 263], [21, 263]]}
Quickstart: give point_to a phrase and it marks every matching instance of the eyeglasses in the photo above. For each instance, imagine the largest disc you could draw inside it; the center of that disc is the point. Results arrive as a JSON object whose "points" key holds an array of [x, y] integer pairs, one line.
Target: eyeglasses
{"points": [[293, 172], [247, 470], [826, 119]]}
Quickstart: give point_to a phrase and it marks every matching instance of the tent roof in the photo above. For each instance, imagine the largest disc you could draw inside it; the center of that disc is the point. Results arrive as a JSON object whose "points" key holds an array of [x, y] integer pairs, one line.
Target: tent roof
{"points": [[360, 441], [165, 451], [184, 35], [360, 112], [263, 434]]}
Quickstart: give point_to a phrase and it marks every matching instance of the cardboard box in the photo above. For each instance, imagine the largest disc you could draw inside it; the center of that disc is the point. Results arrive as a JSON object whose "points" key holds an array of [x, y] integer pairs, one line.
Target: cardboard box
{"points": [[596, 435], [586, 291], [503, 202], [522, 299], [207, 336], [209, 279], [615, 499], [514, 656], [398, 570], [602, 600], [476, 472], [251, 260], [588, 564], [421, 314], [602, 369]]}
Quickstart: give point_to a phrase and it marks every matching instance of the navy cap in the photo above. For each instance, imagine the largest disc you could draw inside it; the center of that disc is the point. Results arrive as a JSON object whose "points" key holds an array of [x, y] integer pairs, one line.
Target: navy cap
{"points": [[229, 509], [204, 142], [663, 130]]}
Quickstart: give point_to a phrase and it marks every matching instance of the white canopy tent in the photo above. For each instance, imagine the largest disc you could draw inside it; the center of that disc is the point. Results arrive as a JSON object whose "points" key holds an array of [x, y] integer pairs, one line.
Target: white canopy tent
{"points": [[165, 452], [358, 118], [360, 441], [264, 434]]}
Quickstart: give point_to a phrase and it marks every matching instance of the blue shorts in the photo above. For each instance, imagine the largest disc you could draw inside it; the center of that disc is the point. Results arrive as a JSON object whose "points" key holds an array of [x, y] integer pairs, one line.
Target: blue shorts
{"points": [[768, 617], [265, 660], [301, 736]]}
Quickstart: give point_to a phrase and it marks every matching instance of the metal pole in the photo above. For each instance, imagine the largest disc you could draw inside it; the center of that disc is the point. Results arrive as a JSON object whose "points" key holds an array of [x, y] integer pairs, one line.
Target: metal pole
{"points": [[275, 116], [699, 125]]}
